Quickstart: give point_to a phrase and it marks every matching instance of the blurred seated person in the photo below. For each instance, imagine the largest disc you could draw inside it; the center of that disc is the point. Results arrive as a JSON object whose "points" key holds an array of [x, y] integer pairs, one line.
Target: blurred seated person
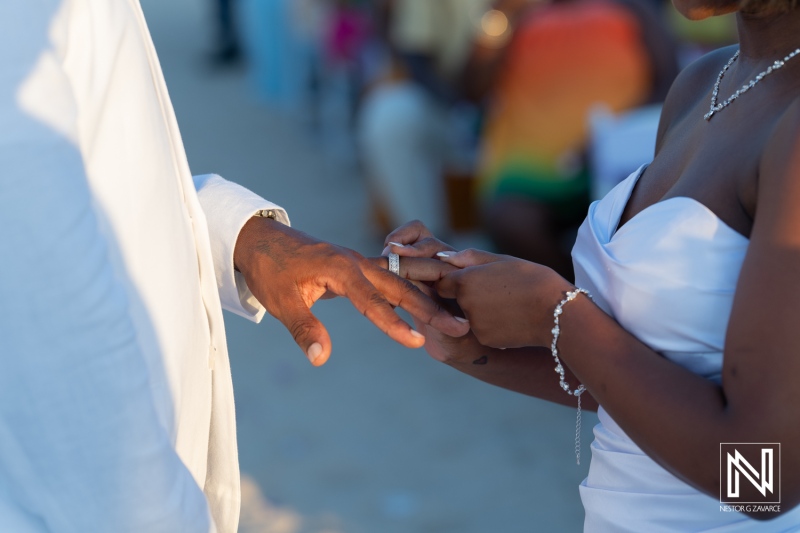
{"points": [[404, 123], [541, 68]]}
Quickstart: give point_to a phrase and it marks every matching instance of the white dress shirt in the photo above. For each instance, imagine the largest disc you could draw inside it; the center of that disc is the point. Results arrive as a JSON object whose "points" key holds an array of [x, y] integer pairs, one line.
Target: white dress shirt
{"points": [[116, 403]]}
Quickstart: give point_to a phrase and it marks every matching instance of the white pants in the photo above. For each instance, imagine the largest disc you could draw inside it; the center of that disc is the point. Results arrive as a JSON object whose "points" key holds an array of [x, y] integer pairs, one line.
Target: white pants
{"points": [[403, 139]]}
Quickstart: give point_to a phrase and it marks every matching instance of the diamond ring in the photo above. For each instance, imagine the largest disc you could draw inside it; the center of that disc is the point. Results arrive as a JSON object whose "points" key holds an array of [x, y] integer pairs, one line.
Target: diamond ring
{"points": [[394, 264]]}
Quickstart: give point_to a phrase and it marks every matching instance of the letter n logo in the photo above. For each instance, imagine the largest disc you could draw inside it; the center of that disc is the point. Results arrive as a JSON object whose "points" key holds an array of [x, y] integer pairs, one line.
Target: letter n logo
{"points": [[750, 473]]}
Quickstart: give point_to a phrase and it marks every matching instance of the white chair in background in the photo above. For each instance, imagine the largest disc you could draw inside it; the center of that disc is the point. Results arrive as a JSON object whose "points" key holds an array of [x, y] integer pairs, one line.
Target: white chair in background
{"points": [[619, 144]]}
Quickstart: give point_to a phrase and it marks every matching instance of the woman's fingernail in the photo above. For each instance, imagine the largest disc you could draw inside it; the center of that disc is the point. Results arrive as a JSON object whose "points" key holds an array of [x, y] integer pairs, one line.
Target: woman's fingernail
{"points": [[386, 251], [443, 254], [462, 320], [314, 351], [417, 334], [397, 244]]}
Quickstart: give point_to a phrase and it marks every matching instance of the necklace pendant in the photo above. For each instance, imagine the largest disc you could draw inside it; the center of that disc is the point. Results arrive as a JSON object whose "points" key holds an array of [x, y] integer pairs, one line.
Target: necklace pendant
{"points": [[715, 92]]}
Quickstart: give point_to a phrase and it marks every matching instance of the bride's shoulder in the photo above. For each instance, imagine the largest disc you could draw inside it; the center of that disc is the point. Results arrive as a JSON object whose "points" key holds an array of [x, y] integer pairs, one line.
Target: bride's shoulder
{"points": [[778, 187], [780, 158], [703, 72], [694, 83]]}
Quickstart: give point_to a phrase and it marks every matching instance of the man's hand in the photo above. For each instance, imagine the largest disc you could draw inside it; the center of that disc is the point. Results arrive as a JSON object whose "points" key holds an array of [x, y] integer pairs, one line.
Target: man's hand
{"points": [[288, 271]]}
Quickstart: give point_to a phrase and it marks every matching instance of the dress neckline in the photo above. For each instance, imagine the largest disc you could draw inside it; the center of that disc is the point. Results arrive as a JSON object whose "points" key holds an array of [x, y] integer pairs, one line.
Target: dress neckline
{"points": [[625, 198]]}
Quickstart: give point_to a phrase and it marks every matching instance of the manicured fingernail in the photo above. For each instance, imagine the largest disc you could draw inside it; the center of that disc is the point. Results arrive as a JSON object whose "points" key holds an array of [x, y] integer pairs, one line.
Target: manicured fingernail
{"points": [[462, 320], [386, 251], [314, 351], [397, 244], [417, 334], [443, 254]]}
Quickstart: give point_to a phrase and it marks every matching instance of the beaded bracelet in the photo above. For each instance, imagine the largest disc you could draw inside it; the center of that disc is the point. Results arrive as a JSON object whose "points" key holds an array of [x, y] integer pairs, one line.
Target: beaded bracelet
{"points": [[571, 295]]}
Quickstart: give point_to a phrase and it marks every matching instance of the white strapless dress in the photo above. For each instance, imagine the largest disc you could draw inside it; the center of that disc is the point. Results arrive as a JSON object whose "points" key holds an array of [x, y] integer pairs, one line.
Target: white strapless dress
{"points": [[667, 276]]}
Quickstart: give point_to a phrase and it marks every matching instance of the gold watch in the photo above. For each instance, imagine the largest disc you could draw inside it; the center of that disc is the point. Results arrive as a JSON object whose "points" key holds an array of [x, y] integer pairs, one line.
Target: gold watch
{"points": [[267, 213]]}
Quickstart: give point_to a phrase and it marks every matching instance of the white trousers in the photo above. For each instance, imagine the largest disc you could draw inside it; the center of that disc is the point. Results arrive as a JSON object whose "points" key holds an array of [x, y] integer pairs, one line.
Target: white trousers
{"points": [[403, 137]]}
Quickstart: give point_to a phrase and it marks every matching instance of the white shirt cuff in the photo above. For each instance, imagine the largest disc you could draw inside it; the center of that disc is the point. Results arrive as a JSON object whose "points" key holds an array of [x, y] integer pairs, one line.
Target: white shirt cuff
{"points": [[227, 207]]}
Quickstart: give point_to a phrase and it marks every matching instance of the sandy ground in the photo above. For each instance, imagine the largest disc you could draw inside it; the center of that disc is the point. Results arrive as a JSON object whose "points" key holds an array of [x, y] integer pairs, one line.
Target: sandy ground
{"points": [[382, 439]]}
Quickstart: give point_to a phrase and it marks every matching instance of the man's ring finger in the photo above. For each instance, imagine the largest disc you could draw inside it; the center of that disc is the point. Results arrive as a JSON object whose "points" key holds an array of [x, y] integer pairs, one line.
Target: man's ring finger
{"points": [[394, 264]]}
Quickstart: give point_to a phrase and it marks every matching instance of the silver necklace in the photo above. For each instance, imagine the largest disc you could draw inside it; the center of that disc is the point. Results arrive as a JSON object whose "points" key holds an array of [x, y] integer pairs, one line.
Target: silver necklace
{"points": [[715, 108]]}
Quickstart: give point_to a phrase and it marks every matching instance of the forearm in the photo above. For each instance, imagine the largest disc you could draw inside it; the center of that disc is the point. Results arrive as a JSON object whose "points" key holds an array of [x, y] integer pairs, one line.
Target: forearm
{"points": [[677, 417], [528, 371]]}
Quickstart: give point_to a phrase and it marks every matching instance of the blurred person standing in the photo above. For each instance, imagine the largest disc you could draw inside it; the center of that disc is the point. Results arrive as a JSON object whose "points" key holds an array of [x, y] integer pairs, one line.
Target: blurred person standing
{"points": [[310, 20], [542, 68], [228, 48], [403, 125], [273, 53], [346, 39]]}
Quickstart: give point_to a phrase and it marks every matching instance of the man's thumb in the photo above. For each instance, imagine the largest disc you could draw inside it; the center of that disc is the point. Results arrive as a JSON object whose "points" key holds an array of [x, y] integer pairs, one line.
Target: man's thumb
{"points": [[308, 333]]}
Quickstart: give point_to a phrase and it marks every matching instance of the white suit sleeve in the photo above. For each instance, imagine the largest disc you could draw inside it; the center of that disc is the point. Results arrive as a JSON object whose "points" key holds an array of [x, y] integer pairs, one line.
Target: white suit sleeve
{"points": [[227, 207], [81, 447]]}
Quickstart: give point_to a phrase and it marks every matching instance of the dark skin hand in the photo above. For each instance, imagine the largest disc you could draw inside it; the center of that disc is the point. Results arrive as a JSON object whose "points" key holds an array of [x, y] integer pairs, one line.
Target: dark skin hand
{"points": [[526, 369], [744, 166], [288, 271]]}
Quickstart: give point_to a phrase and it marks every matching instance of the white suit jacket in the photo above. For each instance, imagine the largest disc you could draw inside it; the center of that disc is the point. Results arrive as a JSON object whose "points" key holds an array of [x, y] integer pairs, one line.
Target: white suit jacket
{"points": [[116, 404]]}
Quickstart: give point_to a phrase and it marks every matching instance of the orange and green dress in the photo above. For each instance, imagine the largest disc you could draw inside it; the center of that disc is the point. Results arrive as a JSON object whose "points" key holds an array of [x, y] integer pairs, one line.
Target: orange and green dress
{"points": [[565, 58]]}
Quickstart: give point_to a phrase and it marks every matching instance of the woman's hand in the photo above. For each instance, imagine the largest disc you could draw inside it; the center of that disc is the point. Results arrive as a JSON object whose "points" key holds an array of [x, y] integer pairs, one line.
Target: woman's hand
{"points": [[509, 302], [414, 240], [527, 370], [440, 346]]}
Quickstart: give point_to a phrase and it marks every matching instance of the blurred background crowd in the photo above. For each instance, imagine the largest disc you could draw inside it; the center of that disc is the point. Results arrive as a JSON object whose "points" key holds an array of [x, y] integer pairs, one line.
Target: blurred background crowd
{"points": [[505, 117]]}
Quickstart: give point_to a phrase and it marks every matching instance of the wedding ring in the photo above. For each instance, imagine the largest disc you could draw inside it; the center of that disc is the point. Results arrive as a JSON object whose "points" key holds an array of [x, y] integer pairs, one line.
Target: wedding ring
{"points": [[394, 264]]}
